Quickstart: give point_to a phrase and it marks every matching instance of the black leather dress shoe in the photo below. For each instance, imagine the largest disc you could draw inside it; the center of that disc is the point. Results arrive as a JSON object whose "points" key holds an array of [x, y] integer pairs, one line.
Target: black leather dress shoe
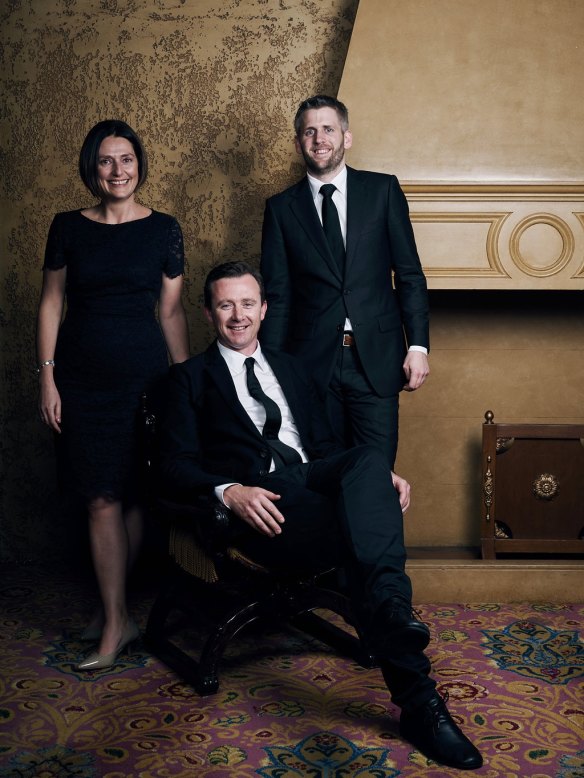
{"points": [[432, 731], [396, 631]]}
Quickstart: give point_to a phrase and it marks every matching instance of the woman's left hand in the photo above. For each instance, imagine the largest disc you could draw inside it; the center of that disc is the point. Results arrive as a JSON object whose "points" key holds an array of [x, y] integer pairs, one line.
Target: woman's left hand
{"points": [[50, 404]]}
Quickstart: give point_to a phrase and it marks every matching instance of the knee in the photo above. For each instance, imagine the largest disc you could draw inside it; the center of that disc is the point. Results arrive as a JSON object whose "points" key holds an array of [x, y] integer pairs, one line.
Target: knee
{"points": [[101, 509]]}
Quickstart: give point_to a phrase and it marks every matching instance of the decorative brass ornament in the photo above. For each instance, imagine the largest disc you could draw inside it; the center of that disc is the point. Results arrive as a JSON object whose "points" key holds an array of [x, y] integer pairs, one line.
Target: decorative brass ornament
{"points": [[546, 486], [488, 489], [502, 531], [504, 444]]}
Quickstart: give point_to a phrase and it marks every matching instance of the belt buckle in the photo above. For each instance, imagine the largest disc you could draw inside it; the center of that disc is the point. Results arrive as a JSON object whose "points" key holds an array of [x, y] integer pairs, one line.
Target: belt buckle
{"points": [[348, 339]]}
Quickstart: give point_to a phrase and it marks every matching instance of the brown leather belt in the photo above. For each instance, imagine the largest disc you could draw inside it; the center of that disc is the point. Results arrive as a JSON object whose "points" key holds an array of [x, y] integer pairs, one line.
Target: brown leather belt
{"points": [[348, 339]]}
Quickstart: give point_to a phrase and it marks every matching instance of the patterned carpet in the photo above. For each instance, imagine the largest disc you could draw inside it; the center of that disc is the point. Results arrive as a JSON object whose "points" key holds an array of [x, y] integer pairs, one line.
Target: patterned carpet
{"points": [[287, 706]]}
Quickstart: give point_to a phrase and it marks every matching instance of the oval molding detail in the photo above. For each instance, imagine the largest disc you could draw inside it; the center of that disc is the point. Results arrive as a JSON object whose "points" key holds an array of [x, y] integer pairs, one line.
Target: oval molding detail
{"points": [[555, 223]]}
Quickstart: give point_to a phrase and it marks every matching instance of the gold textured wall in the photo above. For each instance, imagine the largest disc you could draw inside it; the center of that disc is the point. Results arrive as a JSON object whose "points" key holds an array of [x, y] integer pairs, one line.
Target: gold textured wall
{"points": [[519, 354], [473, 106], [212, 87], [484, 91]]}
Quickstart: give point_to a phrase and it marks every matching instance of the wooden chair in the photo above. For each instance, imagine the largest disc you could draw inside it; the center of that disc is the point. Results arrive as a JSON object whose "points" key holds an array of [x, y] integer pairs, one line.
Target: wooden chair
{"points": [[221, 591]]}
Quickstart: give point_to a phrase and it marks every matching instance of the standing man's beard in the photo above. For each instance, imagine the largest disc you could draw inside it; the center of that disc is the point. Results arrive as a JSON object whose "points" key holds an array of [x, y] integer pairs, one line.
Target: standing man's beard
{"points": [[333, 163]]}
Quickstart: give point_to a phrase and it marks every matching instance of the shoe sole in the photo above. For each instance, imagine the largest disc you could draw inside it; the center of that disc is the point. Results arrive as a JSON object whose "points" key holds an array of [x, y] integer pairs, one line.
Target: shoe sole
{"points": [[471, 764]]}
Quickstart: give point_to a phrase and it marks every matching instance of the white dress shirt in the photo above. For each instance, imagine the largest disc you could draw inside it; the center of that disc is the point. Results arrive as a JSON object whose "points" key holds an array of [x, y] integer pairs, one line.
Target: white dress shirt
{"points": [[340, 201], [255, 410]]}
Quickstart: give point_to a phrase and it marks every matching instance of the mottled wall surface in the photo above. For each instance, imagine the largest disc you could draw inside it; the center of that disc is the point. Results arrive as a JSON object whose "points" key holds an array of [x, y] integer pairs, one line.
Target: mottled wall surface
{"points": [[212, 87]]}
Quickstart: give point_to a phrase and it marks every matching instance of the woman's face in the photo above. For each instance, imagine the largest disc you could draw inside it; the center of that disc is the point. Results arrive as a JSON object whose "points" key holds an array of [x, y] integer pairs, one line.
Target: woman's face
{"points": [[117, 169]]}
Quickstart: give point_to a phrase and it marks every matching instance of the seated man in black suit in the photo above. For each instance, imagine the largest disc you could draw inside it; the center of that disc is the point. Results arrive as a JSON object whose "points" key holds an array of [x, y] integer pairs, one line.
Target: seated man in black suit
{"points": [[245, 425]]}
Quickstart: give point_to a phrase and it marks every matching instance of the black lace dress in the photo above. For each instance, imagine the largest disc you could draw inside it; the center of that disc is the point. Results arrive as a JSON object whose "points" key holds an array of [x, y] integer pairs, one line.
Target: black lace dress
{"points": [[110, 346]]}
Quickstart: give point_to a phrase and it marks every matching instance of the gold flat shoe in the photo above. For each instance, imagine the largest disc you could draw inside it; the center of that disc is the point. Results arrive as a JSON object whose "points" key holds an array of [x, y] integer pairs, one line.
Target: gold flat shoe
{"points": [[97, 661]]}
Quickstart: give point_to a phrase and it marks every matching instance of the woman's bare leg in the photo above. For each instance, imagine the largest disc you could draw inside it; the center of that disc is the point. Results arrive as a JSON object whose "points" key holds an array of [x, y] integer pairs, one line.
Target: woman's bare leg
{"points": [[109, 542], [133, 523]]}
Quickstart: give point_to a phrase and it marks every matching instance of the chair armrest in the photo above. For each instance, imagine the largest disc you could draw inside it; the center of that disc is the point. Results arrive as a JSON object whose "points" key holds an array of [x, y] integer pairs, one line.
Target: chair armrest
{"points": [[209, 519]]}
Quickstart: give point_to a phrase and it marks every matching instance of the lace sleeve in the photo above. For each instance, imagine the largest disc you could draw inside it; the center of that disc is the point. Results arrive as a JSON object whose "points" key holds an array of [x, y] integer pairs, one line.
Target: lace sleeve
{"points": [[55, 249], [175, 258]]}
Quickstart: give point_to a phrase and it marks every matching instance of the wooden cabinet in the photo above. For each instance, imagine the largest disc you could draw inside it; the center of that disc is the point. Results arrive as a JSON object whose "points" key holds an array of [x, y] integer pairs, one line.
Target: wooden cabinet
{"points": [[532, 488]]}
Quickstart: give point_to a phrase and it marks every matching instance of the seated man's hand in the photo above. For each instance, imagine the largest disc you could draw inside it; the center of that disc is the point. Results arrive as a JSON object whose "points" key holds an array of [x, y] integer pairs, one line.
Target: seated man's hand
{"points": [[256, 506], [403, 491]]}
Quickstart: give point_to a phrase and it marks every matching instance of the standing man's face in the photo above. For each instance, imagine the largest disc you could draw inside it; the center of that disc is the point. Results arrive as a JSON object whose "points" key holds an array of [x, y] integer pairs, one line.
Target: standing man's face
{"points": [[322, 142], [236, 312]]}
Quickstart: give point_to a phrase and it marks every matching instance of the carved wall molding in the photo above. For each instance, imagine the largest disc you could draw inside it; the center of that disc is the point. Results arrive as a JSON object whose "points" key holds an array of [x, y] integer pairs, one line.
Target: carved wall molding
{"points": [[580, 272], [492, 263], [502, 191], [556, 264], [499, 236]]}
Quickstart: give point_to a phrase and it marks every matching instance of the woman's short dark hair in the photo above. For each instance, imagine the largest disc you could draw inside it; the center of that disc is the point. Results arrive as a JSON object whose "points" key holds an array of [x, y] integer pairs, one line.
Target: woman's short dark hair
{"points": [[89, 154], [321, 101], [230, 270]]}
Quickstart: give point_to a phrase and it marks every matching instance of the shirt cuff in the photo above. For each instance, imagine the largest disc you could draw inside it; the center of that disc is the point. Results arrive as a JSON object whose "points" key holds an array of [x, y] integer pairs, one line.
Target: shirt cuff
{"points": [[220, 489], [423, 349]]}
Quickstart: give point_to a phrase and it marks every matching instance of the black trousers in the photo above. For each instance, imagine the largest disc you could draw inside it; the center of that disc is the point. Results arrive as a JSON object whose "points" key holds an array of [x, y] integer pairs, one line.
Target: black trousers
{"points": [[344, 510], [356, 413]]}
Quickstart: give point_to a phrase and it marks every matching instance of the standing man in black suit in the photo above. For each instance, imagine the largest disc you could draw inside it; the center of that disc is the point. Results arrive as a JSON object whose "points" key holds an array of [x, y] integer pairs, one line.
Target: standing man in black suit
{"points": [[345, 287], [243, 424]]}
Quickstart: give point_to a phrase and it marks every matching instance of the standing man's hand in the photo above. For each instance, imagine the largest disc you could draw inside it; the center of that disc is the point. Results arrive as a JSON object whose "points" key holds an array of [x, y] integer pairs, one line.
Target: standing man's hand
{"points": [[403, 491], [416, 368], [256, 506]]}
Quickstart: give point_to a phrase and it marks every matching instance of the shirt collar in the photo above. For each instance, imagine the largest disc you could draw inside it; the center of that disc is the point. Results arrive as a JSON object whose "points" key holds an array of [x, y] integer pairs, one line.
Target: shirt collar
{"points": [[236, 360], [340, 181]]}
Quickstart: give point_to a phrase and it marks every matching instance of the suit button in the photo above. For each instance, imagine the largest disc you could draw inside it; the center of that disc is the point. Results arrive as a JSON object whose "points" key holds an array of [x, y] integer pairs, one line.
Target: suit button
{"points": [[346, 291], [263, 453], [263, 472]]}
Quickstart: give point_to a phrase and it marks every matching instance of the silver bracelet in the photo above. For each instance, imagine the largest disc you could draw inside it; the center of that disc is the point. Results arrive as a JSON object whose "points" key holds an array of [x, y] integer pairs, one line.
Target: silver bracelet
{"points": [[46, 363]]}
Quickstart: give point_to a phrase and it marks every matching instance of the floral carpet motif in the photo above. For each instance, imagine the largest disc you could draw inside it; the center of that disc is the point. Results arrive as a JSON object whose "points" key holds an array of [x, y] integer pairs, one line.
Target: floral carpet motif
{"points": [[287, 705], [537, 651], [328, 755]]}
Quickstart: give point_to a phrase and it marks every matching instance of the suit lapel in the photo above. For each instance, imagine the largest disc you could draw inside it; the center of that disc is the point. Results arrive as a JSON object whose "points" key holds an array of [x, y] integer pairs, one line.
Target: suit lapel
{"points": [[219, 373], [297, 404], [302, 206], [356, 212]]}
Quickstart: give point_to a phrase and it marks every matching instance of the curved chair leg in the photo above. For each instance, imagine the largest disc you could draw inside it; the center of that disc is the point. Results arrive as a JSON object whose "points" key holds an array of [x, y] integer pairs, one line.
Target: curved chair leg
{"points": [[160, 610], [217, 641], [202, 674], [276, 602], [342, 641]]}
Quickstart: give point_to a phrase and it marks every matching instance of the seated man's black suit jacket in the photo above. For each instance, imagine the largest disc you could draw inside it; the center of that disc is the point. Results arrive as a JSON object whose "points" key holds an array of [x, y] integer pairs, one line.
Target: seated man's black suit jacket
{"points": [[208, 439]]}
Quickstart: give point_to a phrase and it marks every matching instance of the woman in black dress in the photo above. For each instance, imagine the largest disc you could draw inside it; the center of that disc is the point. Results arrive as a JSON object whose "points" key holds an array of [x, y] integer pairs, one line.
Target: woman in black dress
{"points": [[114, 263]]}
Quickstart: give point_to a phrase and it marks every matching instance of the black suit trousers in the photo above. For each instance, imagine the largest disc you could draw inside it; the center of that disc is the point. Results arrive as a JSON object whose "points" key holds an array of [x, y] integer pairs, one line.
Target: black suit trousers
{"points": [[344, 510], [356, 413]]}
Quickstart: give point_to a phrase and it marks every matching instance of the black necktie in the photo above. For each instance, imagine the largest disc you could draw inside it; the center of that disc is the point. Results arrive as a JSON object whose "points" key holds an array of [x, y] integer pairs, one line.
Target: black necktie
{"points": [[282, 454], [332, 226]]}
